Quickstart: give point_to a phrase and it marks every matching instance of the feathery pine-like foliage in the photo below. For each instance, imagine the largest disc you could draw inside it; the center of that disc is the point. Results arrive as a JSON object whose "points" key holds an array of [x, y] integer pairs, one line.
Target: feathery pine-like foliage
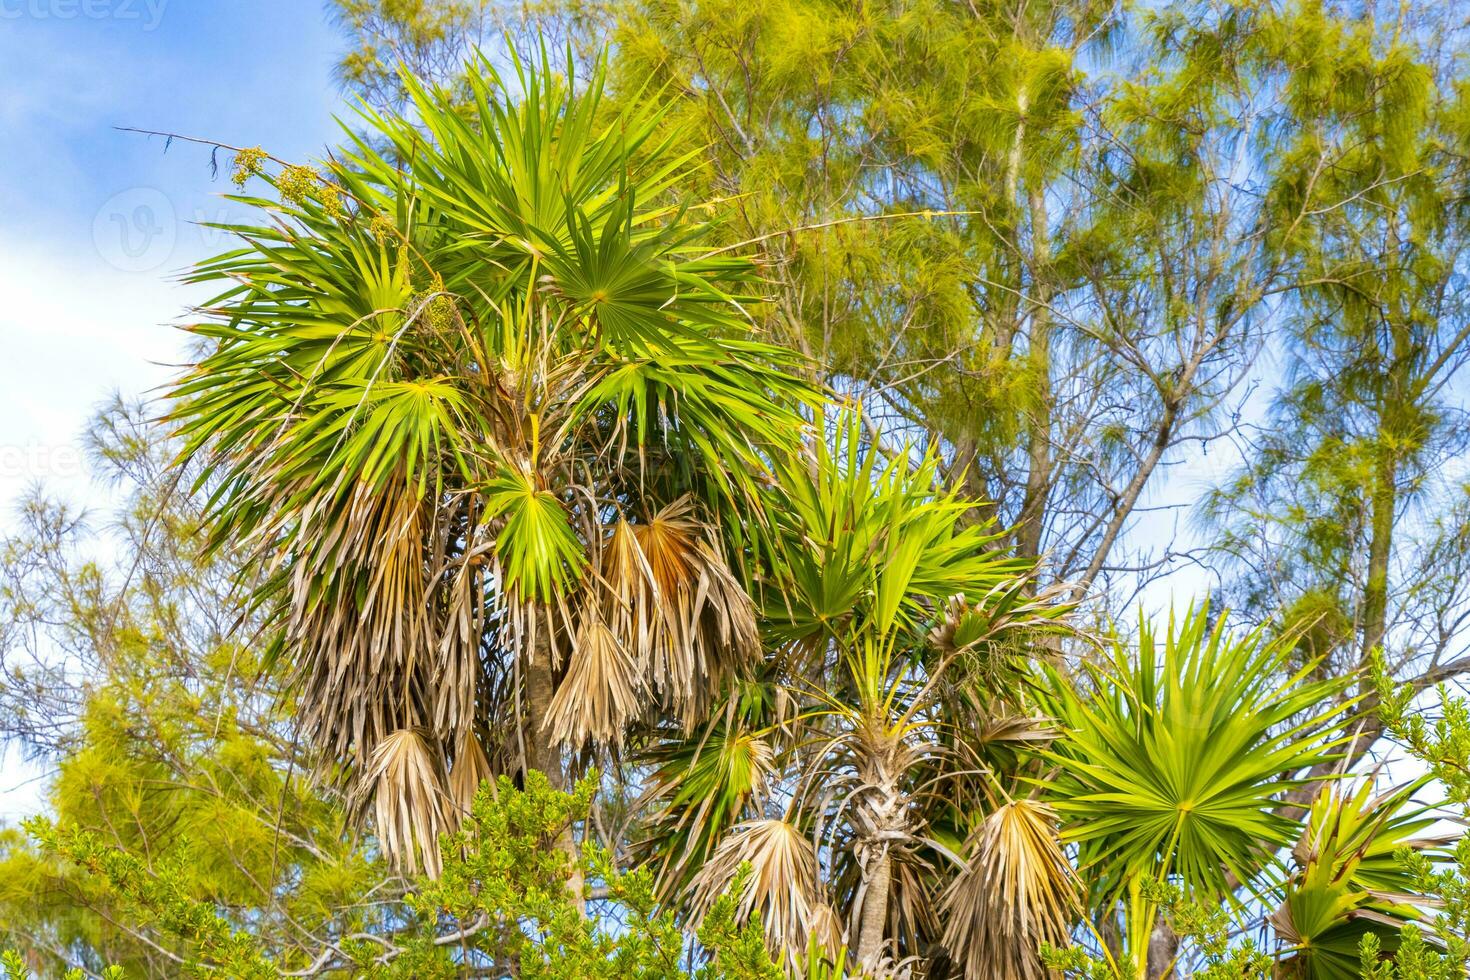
{"points": [[498, 907]]}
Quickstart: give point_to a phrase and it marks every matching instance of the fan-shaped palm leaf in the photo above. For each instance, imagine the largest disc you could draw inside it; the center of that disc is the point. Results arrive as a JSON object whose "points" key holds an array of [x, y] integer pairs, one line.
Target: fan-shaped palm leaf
{"points": [[1348, 879], [601, 690], [1176, 764], [875, 545], [700, 788], [406, 777], [1017, 891], [782, 887]]}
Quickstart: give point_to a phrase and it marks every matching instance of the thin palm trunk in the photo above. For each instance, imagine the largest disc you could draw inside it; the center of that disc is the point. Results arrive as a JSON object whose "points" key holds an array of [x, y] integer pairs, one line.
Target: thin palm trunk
{"points": [[1163, 946], [881, 819], [875, 908], [543, 753]]}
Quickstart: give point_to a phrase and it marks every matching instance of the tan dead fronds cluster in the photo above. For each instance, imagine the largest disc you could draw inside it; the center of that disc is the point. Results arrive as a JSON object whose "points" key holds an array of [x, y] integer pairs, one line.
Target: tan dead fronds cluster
{"points": [[365, 654], [405, 778], [1016, 892], [783, 888], [601, 691], [667, 620]]}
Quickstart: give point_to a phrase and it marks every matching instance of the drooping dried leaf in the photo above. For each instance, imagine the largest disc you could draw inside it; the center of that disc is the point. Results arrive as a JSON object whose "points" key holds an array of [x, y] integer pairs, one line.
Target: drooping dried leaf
{"points": [[406, 778], [471, 768], [600, 692], [674, 603], [782, 888], [365, 648], [699, 788], [1016, 893]]}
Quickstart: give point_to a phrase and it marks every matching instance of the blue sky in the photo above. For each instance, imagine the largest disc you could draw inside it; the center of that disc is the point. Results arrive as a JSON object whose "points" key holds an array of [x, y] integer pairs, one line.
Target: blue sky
{"points": [[95, 224]]}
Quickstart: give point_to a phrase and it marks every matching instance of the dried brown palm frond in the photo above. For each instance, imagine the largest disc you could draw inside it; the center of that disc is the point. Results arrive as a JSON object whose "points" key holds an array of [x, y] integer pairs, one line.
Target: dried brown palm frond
{"points": [[1006, 726], [471, 768], [825, 929], [675, 604], [535, 631], [632, 603], [406, 778], [600, 692], [782, 888], [1016, 892], [359, 624], [723, 635], [459, 678], [885, 967], [913, 906], [910, 920]]}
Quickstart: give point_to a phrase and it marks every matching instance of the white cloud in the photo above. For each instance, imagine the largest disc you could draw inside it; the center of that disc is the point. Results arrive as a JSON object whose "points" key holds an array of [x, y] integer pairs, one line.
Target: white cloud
{"points": [[72, 330]]}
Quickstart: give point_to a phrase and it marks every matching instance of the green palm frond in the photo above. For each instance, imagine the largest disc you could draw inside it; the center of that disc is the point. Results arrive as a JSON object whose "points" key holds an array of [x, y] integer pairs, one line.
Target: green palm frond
{"points": [[874, 546], [700, 787], [1176, 764], [538, 552], [1348, 878]]}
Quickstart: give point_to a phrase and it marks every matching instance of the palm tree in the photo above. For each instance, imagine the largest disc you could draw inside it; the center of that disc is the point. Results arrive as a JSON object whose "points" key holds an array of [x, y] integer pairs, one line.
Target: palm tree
{"points": [[496, 425], [877, 739], [953, 799], [1349, 879], [1177, 757]]}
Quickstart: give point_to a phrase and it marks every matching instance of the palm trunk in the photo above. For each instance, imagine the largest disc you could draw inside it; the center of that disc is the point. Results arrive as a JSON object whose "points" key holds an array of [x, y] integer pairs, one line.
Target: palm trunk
{"points": [[875, 909], [543, 753], [1163, 946]]}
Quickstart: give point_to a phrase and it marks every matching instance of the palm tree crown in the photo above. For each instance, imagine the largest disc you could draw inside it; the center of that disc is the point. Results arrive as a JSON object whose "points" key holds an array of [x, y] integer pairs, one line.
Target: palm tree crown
{"points": [[479, 397]]}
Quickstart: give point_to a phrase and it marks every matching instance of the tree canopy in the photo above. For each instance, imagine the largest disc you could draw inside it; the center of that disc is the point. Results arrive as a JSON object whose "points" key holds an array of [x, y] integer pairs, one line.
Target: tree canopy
{"points": [[669, 497]]}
